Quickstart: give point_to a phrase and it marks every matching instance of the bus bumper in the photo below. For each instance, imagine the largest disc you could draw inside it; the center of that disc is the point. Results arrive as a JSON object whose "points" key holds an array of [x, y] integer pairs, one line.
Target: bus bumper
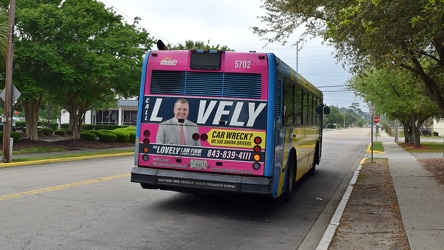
{"points": [[182, 181]]}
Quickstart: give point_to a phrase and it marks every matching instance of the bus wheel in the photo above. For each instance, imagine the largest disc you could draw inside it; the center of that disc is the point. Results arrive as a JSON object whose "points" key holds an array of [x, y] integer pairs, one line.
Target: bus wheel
{"points": [[291, 176], [315, 161]]}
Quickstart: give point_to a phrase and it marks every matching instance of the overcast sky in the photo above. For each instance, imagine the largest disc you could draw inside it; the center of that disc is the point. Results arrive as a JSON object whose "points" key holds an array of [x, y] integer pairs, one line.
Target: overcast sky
{"points": [[229, 23]]}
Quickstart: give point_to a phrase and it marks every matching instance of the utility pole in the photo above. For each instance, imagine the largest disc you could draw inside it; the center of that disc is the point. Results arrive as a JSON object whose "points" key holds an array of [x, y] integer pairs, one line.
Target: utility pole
{"points": [[8, 87], [297, 56]]}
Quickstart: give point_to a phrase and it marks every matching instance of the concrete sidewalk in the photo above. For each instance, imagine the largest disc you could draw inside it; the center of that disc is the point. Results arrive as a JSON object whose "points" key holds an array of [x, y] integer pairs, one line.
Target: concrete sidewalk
{"points": [[420, 196]]}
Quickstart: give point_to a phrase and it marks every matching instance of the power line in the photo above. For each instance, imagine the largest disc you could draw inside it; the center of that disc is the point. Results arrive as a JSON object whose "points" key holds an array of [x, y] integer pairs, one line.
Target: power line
{"points": [[337, 91], [332, 86]]}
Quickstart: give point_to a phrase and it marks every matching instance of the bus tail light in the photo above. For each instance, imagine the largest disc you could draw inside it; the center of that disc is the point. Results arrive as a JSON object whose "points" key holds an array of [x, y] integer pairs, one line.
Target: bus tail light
{"points": [[146, 141], [196, 136], [257, 140], [257, 157], [204, 137], [256, 166], [145, 157], [257, 148]]}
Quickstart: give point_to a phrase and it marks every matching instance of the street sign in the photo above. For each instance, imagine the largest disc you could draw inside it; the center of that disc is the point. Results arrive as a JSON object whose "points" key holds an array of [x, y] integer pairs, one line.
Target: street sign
{"points": [[14, 92], [371, 110], [376, 119]]}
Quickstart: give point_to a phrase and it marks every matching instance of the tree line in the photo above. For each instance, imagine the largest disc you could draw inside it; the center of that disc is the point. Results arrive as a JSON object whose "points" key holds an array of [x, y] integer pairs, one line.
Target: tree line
{"points": [[80, 55], [75, 54], [394, 49]]}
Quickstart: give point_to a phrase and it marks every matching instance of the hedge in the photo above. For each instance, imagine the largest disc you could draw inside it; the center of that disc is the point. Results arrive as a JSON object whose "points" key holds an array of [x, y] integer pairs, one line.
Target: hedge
{"points": [[122, 136], [88, 135], [59, 132], [46, 131], [14, 135], [108, 137]]}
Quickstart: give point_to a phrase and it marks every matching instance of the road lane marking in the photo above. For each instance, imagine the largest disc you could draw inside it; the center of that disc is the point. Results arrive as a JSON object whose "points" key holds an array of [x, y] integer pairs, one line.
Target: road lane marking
{"points": [[64, 186]]}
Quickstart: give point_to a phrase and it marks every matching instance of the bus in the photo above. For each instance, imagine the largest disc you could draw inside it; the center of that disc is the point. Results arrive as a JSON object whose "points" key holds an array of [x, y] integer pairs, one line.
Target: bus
{"points": [[225, 122]]}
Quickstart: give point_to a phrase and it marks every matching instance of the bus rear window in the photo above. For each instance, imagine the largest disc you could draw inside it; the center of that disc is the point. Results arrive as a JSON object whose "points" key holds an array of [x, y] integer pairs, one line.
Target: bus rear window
{"points": [[205, 60]]}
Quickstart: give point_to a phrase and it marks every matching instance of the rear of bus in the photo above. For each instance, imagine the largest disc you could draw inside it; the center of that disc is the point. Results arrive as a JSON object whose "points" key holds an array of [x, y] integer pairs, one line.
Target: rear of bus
{"points": [[227, 100]]}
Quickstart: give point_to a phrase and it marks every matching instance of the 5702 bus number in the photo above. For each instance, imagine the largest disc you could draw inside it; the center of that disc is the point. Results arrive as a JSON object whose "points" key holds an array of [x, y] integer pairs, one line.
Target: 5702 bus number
{"points": [[228, 154], [242, 64]]}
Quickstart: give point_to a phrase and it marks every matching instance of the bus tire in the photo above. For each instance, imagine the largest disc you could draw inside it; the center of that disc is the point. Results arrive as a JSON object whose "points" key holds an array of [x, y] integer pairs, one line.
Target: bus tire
{"points": [[315, 160], [291, 177]]}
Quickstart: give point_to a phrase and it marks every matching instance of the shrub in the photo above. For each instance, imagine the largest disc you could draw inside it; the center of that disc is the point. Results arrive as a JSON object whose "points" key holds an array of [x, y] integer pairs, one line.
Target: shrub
{"points": [[122, 136], [131, 130], [96, 132], [68, 131], [59, 132], [47, 131], [44, 124], [20, 124], [108, 137], [88, 135], [132, 136], [107, 126], [88, 126], [14, 135]]}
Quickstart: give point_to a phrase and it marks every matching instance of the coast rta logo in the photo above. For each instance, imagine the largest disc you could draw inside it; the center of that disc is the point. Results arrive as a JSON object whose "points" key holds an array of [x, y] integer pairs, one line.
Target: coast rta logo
{"points": [[168, 61], [210, 112]]}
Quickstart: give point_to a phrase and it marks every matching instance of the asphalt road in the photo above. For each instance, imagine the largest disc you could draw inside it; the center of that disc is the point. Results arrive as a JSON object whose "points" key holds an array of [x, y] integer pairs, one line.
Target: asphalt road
{"points": [[91, 204]]}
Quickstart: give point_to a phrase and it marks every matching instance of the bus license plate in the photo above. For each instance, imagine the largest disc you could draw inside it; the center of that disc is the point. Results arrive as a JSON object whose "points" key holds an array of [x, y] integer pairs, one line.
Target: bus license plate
{"points": [[199, 164]]}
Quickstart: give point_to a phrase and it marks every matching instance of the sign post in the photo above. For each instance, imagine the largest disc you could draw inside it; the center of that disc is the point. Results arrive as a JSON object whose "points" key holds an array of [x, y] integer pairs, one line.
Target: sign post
{"points": [[372, 112], [8, 86]]}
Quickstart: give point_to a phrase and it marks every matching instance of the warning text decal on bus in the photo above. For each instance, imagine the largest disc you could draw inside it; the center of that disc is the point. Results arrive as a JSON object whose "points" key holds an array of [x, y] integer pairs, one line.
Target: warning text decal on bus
{"points": [[234, 138]]}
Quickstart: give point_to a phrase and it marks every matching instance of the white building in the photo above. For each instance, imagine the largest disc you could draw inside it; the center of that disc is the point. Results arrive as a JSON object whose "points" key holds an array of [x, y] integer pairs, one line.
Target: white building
{"points": [[438, 126], [124, 114]]}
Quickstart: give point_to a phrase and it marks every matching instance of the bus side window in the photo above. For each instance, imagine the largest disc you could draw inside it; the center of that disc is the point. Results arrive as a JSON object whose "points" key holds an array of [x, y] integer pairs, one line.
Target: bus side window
{"points": [[298, 105], [288, 102]]}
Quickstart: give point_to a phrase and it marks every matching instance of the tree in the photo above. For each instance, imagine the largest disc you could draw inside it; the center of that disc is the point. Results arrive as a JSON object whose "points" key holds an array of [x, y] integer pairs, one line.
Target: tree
{"points": [[403, 33], [80, 52], [36, 60], [105, 61], [190, 44], [398, 94]]}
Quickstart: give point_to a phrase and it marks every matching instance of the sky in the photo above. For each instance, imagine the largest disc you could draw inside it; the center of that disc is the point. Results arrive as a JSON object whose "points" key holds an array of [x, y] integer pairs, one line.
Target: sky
{"points": [[229, 23]]}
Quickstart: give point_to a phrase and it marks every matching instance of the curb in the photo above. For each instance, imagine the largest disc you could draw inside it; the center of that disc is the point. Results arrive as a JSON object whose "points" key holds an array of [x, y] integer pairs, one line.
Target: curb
{"points": [[334, 223], [75, 158]]}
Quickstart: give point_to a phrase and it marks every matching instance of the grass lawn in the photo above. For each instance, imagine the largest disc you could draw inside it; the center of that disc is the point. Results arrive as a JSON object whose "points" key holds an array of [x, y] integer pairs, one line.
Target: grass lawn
{"points": [[426, 147]]}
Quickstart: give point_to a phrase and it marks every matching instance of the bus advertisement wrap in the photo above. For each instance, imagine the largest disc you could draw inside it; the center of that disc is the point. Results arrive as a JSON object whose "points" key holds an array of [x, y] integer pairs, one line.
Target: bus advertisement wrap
{"points": [[210, 112]]}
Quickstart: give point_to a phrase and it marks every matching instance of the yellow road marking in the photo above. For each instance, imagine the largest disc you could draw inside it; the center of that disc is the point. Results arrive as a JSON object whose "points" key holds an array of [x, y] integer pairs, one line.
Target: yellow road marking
{"points": [[54, 188]]}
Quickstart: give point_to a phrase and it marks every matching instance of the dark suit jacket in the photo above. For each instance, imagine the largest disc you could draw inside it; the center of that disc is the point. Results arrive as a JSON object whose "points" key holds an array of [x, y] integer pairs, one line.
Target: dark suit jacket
{"points": [[169, 132]]}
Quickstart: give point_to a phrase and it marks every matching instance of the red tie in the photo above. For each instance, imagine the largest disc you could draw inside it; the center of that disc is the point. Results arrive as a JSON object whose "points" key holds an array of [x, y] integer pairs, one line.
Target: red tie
{"points": [[182, 136]]}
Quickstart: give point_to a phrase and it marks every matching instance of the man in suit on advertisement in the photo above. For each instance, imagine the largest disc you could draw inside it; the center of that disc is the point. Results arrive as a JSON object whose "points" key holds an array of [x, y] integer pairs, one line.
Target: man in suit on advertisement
{"points": [[178, 130]]}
